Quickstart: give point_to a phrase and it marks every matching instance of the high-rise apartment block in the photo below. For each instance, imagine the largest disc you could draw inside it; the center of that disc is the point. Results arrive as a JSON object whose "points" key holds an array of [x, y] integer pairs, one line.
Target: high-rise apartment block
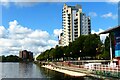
{"points": [[74, 23]]}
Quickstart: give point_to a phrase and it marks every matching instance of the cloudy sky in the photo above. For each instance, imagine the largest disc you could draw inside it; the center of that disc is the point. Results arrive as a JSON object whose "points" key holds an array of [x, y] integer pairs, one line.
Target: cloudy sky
{"points": [[35, 26]]}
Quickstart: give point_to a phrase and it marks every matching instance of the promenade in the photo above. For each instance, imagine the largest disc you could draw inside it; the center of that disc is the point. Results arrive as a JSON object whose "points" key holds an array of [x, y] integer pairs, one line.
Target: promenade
{"points": [[71, 73], [99, 71]]}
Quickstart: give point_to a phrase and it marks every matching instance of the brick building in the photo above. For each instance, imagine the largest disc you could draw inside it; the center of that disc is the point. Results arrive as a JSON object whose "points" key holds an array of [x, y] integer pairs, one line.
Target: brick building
{"points": [[26, 55]]}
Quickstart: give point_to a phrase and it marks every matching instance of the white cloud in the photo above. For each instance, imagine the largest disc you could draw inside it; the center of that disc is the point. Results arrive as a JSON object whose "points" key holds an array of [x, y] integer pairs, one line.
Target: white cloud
{"points": [[39, 34], [113, 1], [57, 32], [97, 32], [92, 14], [20, 3], [51, 42], [15, 28], [110, 15], [20, 38], [102, 36], [26, 3], [5, 3], [2, 31], [8, 42]]}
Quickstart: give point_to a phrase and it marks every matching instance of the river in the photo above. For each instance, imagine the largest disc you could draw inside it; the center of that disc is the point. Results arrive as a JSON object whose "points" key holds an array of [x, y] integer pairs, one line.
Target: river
{"points": [[32, 71]]}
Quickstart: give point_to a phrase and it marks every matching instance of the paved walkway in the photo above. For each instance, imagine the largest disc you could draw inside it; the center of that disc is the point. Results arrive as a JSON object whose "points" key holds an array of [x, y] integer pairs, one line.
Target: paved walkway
{"points": [[73, 70], [71, 73]]}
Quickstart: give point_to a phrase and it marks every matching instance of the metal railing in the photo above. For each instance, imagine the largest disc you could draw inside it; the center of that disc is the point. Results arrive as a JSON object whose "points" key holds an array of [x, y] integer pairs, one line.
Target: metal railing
{"points": [[97, 69]]}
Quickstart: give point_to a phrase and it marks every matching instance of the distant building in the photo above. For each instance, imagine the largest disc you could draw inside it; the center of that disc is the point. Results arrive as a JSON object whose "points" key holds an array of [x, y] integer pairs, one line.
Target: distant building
{"points": [[26, 55], [74, 23]]}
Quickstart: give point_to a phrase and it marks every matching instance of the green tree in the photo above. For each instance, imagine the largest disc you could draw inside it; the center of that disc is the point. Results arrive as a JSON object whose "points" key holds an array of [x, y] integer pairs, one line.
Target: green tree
{"points": [[10, 58], [106, 49], [91, 44]]}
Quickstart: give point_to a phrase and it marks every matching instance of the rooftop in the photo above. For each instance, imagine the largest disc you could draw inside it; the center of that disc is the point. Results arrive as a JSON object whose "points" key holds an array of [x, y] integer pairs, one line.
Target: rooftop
{"points": [[117, 28]]}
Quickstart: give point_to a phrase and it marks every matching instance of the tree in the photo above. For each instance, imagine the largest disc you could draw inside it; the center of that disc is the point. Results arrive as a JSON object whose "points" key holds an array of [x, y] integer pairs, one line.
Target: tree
{"points": [[106, 49], [77, 46], [91, 44], [85, 45], [10, 58], [59, 52]]}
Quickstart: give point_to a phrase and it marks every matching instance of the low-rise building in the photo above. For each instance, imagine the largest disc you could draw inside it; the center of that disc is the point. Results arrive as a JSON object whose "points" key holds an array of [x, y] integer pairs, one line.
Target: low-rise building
{"points": [[26, 55]]}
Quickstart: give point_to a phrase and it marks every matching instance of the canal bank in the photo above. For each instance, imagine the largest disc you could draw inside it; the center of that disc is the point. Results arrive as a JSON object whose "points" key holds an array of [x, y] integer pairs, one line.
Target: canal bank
{"points": [[69, 69], [62, 70]]}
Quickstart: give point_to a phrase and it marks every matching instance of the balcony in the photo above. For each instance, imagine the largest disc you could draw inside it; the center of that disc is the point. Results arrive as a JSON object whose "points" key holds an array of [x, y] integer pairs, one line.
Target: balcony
{"points": [[89, 32], [76, 33], [76, 26], [76, 30], [75, 36], [63, 17], [88, 20], [89, 23], [89, 26], [68, 20], [63, 23], [63, 11], [68, 29], [63, 14], [68, 16], [69, 39], [76, 22], [89, 29], [69, 23], [69, 36], [68, 26]]}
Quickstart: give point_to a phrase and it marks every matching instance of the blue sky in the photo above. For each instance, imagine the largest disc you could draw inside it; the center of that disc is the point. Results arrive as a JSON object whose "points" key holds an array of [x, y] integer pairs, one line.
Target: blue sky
{"points": [[35, 26], [47, 16]]}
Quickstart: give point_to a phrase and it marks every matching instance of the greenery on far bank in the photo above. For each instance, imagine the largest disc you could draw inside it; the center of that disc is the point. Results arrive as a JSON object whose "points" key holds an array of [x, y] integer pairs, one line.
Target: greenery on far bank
{"points": [[85, 47], [10, 58]]}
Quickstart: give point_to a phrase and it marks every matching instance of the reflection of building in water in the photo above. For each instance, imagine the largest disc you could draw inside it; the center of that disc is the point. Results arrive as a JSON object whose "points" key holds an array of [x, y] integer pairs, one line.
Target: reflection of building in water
{"points": [[26, 55], [25, 70]]}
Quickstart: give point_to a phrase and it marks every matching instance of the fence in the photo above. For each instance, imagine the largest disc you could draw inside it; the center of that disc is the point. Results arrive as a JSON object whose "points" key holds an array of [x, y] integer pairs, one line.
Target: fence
{"points": [[106, 70]]}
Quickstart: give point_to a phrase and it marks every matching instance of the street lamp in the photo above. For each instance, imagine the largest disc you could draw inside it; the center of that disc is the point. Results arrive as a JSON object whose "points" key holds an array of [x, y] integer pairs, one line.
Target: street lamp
{"points": [[64, 56], [80, 53], [70, 55]]}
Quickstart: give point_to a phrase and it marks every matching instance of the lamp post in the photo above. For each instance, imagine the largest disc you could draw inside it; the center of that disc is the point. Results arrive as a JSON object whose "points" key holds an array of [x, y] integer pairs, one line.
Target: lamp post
{"points": [[52, 58], [64, 57], [70, 55], [80, 53]]}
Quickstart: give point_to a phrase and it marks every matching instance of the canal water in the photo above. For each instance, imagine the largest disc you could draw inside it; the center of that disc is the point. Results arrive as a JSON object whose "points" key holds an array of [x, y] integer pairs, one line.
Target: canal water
{"points": [[27, 71]]}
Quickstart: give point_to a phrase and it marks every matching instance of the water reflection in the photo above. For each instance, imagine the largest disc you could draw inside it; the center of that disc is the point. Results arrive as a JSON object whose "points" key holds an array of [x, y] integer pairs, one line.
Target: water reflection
{"points": [[24, 69], [9, 70], [31, 71], [21, 70]]}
